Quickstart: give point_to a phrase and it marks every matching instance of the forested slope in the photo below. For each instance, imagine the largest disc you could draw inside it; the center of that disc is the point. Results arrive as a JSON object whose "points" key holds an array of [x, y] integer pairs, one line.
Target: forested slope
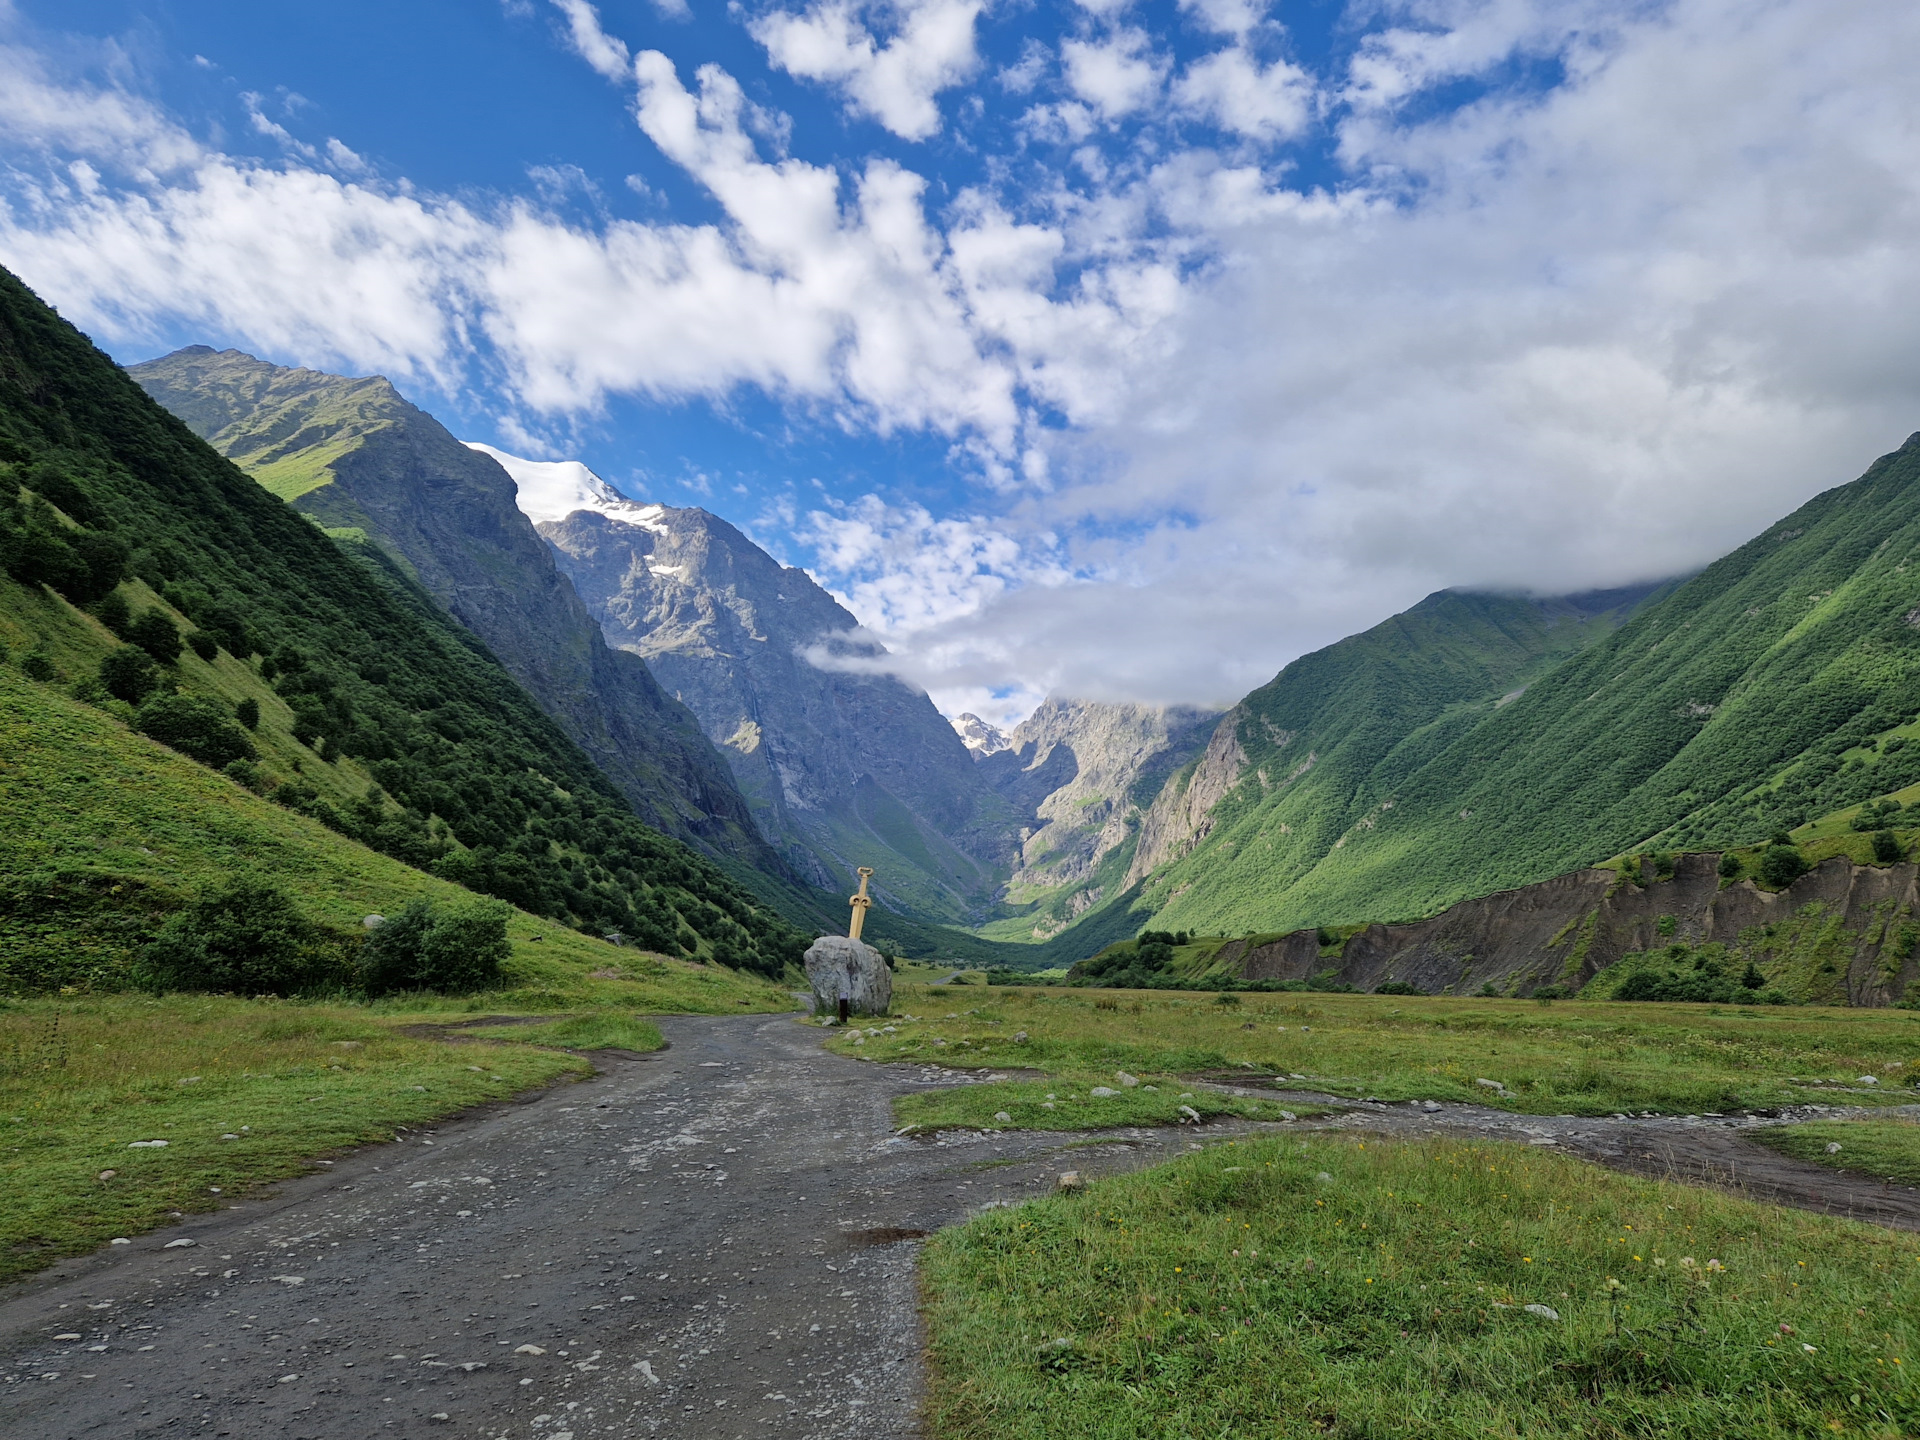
{"points": [[112, 505], [1769, 688]]}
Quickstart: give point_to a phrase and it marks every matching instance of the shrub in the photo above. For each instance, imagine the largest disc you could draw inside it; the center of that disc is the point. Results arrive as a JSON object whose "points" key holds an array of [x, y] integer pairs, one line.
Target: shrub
{"points": [[247, 712], [36, 666], [1887, 847], [1226, 998], [247, 774], [203, 645], [249, 939], [128, 674], [1781, 865], [428, 948], [157, 635], [1666, 924], [1398, 987], [198, 729], [1730, 866], [112, 611]]}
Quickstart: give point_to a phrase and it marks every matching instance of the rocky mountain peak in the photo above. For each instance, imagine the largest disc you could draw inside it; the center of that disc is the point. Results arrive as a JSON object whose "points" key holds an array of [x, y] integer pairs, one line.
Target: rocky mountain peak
{"points": [[978, 736]]}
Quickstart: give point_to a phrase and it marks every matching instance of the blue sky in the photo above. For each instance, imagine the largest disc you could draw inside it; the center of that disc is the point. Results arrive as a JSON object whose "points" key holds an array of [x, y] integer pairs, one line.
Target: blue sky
{"points": [[1118, 349]]}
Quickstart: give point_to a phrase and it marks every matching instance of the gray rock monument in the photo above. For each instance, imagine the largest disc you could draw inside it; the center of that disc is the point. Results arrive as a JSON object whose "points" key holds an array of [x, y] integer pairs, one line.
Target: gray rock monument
{"points": [[849, 977], [842, 968]]}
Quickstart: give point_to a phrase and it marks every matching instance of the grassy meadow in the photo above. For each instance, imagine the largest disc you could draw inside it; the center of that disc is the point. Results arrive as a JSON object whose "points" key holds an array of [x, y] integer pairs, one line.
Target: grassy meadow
{"points": [[1339, 1285], [243, 1092], [1552, 1058], [1886, 1149]]}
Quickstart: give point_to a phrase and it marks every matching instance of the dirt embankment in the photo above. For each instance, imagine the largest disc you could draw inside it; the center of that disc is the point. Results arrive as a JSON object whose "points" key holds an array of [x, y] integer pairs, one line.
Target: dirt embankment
{"points": [[1841, 934]]}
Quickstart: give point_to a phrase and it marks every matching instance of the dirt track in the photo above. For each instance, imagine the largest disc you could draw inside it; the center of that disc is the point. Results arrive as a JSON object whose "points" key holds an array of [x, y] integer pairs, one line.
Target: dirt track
{"points": [[709, 1242], [690, 1238]]}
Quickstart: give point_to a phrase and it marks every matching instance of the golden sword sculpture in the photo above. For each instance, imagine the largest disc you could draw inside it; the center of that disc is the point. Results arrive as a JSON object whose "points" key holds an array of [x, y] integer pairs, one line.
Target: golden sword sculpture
{"points": [[860, 903]]}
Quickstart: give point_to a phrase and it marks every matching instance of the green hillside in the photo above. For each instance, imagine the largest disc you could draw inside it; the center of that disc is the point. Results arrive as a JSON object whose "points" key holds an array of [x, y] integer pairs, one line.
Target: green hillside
{"points": [[378, 715], [1779, 684]]}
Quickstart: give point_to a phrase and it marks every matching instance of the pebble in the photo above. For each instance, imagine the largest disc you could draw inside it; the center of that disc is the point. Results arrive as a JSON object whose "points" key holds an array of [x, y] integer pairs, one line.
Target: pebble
{"points": [[108, 1174], [148, 1145], [1003, 1117], [1127, 1080], [1545, 1312], [529, 1350], [1833, 1147], [179, 1244], [1070, 1180], [1190, 1116], [1103, 1092]]}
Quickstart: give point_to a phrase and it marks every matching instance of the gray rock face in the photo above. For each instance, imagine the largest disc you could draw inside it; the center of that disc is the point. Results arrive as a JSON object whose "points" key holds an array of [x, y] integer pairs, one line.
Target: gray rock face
{"points": [[843, 764], [839, 968], [1083, 773], [354, 453]]}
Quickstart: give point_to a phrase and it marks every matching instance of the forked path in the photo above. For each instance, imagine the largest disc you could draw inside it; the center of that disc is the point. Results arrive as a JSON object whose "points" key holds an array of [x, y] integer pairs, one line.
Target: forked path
{"points": [[709, 1242], [705, 1242]]}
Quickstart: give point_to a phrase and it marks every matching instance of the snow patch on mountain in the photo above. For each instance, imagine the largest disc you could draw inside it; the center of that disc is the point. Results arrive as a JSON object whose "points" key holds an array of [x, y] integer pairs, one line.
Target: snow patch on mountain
{"points": [[554, 489]]}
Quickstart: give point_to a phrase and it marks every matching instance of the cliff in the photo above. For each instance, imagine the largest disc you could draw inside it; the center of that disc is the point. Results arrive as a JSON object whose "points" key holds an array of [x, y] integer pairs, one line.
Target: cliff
{"points": [[842, 763], [1842, 934]]}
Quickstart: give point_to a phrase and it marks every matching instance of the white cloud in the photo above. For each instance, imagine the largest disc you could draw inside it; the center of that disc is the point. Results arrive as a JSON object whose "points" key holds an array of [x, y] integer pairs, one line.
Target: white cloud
{"points": [[929, 48], [590, 41], [1232, 89], [1227, 17], [1116, 74]]}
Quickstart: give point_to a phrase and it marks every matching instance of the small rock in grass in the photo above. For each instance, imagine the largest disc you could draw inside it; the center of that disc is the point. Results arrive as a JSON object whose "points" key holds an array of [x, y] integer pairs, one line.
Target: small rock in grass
{"points": [[1103, 1092], [1869, 1079], [108, 1174], [1070, 1180], [1127, 1080], [120, 1240], [1047, 1105], [1003, 1117], [1486, 1084], [1833, 1147], [1019, 1037], [147, 1145], [1189, 1115], [1324, 1178], [1545, 1312], [1288, 1115]]}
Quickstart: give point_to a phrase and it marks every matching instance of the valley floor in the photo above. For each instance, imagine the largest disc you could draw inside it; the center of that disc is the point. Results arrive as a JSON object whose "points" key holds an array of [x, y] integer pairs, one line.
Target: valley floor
{"points": [[717, 1240]]}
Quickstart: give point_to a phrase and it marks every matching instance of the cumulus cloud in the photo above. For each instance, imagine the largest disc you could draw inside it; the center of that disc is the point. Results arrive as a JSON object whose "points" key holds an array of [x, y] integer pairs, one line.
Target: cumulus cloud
{"points": [[1574, 332], [1236, 92], [929, 47], [1117, 73]]}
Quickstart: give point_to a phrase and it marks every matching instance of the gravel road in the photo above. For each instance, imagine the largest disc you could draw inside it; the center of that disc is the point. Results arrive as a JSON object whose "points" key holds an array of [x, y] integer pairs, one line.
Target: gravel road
{"points": [[712, 1241]]}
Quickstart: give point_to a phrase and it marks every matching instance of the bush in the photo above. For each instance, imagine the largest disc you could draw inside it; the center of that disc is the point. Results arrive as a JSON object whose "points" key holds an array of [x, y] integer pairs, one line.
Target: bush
{"points": [[247, 712], [1887, 847], [36, 666], [1781, 865], [157, 635], [128, 674], [198, 729], [203, 645], [1730, 866], [428, 948], [1398, 987], [249, 939], [112, 611]]}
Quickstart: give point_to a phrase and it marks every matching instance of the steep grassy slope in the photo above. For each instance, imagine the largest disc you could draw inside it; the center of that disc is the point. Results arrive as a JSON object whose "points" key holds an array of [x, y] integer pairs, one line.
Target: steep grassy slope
{"points": [[1773, 686], [352, 454], [109, 831], [470, 778], [1287, 773]]}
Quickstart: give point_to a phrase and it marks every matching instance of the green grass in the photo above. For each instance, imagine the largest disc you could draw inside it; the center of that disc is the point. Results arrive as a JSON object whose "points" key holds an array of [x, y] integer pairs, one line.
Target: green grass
{"points": [[1566, 1057], [82, 1079], [1329, 1286], [133, 828], [1885, 1149], [606, 1030], [1066, 1103]]}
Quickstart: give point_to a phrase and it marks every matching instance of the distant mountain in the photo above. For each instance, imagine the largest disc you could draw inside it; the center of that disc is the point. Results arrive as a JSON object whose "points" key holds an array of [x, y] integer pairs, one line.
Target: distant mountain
{"points": [[354, 456], [1083, 772], [1294, 772], [1781, 682], [978, 736], [843, 764]]}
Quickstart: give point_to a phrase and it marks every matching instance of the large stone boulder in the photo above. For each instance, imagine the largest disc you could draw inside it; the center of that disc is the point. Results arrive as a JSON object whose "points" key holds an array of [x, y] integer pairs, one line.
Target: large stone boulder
{"points": [[839, 968]]}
